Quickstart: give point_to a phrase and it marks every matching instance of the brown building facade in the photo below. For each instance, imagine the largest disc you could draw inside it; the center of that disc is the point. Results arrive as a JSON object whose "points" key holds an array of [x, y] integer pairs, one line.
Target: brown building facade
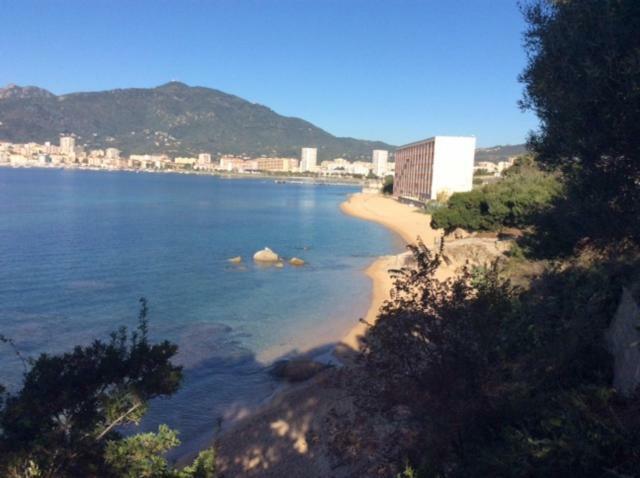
{"points": [[439, 165], [414, 170]]}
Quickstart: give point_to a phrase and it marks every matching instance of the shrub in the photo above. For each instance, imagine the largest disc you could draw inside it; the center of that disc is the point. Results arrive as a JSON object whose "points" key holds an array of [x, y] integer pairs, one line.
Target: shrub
{"points": [[387, 186], [506, 381], [64, 421], [514, 201]]}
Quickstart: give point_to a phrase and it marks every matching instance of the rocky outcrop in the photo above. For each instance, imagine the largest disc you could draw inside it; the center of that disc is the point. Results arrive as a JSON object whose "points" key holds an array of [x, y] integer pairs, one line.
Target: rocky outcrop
{"points": [[296, 261], [235, 260], [475, 251], [297, 370], [266, 255], [623, 341], [457, 233]]}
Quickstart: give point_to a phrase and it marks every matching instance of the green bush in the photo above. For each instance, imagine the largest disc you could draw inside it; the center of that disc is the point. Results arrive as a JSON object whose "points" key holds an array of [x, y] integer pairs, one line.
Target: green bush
{"points": [[513, 201], [65, 420], [506, 381], [582, 80], [387, 186]]}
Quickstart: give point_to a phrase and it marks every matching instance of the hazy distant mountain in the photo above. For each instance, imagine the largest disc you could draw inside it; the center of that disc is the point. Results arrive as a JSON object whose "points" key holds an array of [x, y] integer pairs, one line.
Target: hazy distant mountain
{"points": [[173, 118], [500, 153]]}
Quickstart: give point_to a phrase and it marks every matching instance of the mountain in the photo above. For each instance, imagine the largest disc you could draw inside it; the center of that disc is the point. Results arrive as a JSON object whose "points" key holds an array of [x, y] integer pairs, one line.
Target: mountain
{"points": [[500, 153], [20, 92], [173, 118]]}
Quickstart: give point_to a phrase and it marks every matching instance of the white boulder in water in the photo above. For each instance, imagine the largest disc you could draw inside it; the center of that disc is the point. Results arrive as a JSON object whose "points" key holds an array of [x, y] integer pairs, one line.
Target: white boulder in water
{"points": [[296, 261], [266, 255]]}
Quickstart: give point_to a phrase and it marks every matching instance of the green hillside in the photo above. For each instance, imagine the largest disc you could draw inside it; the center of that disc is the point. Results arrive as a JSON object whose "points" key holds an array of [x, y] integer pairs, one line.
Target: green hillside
{"points": [[172, 118]]}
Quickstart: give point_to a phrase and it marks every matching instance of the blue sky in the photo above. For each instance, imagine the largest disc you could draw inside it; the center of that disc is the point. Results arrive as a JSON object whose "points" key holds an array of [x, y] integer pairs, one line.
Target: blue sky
{"points": [[393, 70]]}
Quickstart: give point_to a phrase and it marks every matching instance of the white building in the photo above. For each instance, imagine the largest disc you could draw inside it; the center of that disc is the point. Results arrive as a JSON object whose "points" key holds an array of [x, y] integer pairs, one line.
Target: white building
{"points": [[431, 167], [67, 145], [360, 168], [112, 153], [204, 162], [380, 160], [309, 159]]}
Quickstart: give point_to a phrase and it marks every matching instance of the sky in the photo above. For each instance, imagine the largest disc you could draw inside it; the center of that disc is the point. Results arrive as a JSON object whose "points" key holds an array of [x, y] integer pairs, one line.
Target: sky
{"points": [[389, 70]]}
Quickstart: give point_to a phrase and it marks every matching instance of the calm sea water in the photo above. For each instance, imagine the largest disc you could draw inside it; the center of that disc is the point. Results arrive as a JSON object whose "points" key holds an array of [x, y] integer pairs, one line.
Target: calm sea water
{"points": [[78, 248]]}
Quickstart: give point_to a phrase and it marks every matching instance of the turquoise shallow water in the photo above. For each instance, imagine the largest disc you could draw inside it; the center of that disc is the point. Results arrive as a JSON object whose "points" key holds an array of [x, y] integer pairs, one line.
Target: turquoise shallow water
{"points": [[78, 248]]}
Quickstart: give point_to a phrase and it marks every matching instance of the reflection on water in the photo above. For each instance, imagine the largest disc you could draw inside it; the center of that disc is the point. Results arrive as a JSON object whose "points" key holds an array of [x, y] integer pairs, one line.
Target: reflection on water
{"points": [[77, 250]]}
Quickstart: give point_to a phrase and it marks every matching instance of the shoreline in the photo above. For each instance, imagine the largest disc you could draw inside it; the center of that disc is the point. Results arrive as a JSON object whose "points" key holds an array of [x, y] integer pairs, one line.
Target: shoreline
{"points": [[293, 433], [401, 219], [289, 179]]}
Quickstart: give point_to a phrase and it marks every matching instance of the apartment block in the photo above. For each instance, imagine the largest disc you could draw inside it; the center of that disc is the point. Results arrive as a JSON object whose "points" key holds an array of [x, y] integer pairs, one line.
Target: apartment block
{"points": [[439, 165]]}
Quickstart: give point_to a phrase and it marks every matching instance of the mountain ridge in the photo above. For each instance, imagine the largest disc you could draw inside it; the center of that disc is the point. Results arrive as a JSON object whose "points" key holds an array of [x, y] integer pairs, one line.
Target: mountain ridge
{"points": [[172, 118]]}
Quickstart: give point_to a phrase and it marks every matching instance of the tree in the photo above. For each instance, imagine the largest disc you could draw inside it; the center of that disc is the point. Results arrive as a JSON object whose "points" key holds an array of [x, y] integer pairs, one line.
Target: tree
{"points": [[513, 201], [502, 380], [583, 82], [387, 185], [64, 421]]}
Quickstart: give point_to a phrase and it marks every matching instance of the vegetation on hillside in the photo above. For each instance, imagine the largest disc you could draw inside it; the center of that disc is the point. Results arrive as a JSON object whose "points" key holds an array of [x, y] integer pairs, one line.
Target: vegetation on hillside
{"points": [[506, 381], [173, 118], [517, 381], [501, 380], [514, 201], [500, 152], [65, 420], [583, 82]]}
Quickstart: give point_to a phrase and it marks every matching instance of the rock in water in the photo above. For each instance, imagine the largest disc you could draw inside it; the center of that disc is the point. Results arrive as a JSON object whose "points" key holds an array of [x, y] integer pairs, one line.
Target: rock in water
{"points": [[296, 261], [297, 370], [236, 260], [266, 255]]}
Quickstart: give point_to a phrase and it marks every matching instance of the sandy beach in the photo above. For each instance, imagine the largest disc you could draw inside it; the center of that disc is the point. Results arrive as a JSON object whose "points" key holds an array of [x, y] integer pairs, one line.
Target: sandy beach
{"points": [[405, 221], [295, 434]]}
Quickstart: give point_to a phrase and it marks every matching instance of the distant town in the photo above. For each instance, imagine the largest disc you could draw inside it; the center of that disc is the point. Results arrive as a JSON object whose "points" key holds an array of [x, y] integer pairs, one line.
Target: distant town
{"points": [[424, 170], [70, 155]]}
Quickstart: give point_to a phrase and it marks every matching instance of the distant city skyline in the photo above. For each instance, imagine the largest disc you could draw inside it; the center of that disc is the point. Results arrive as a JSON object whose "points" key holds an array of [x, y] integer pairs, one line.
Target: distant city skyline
{"points": [[389, 71]]}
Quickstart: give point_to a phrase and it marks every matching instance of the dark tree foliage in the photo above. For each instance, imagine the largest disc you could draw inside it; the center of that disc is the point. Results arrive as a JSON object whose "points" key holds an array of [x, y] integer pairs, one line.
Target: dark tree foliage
{"points": [[387, 186], [583, 82], [505, 381], [66, 416]]}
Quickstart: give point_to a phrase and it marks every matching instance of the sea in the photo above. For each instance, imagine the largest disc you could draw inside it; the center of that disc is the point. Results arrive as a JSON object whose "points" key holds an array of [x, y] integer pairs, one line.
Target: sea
{"points": [[78, 249]]}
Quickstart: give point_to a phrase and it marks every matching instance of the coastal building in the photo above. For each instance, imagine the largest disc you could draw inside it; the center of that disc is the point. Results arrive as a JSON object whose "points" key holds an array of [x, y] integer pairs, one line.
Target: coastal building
{"points": [[380, 161], [277, 164], [485, 166], [18, 160], [112, 153], [359, 168], [490, 167], [501, 166], [335, 166], [439, 165], [67, 145], [185, 162], [147, 161], [204, 161], [308, 159], [232, 163], [391, 169]]}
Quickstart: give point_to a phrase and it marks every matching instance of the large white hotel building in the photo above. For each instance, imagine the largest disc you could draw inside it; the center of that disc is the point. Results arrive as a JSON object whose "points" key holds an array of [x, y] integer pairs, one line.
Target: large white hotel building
{"points": [[427, 168], [308, 159]]}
